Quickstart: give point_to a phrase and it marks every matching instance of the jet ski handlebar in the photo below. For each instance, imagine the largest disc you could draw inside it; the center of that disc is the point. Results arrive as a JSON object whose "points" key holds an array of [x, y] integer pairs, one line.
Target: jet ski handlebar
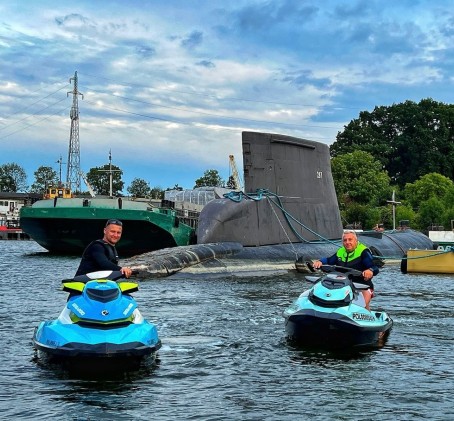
{"points": [[112, 275], [355, 275], [341, 269]]}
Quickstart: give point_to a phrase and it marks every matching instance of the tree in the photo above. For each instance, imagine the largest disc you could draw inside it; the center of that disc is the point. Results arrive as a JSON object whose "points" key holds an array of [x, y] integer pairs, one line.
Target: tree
{"points": [[448, 218], [432, 196], [409, 139], [359, 177], [157, 193], [426, 187], [448, 201], [210, 178], [99, 179], [405, 213], [361, 186], [7, 184], [430, 213], [13, 178], [139, 188], [44, 177]]}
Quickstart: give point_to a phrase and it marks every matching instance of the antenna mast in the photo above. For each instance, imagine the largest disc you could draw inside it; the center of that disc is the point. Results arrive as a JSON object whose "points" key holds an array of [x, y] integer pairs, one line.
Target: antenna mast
{"points": [[73, 173], [60, 162], [110, 171]]}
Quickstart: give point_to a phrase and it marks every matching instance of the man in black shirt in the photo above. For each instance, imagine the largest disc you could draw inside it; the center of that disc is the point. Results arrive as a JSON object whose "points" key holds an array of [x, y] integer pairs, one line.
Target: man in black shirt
{"points": [[102, 254]]}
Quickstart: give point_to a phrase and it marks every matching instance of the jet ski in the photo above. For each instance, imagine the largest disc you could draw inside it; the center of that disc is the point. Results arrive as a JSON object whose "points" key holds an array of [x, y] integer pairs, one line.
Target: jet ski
{"points": [[100, 321], [332, 313]]}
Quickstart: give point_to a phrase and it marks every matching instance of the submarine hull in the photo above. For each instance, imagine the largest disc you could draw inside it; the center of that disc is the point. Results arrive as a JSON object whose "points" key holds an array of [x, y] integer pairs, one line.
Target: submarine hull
{"points": [[292, 214]]}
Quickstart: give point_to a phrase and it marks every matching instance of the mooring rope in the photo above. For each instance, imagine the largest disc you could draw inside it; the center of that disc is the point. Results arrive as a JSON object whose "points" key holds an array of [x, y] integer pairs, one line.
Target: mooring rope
{"points": [[274, 199], [283, 229], [265, 193]]}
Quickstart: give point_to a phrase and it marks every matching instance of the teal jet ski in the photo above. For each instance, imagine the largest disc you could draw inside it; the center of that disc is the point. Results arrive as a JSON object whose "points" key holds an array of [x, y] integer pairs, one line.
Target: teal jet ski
{"points": [[100, 321], [330, 313]]}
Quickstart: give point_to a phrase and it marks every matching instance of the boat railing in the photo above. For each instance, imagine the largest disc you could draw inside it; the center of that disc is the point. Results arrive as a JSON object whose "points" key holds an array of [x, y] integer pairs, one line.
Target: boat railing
{"points": [[188, 217]]}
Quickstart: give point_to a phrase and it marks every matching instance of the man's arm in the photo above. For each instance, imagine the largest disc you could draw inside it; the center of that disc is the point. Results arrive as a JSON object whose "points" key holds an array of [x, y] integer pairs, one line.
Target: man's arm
{"points": [[368, 262], [332, 260]]}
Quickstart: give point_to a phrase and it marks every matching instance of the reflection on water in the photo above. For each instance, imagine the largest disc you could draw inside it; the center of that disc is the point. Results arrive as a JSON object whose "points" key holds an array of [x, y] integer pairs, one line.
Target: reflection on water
{"points": [[323, 356], [111, 369]]}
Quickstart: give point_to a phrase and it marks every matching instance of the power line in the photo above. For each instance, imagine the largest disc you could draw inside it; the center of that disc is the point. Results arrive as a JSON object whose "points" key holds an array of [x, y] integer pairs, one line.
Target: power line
{"points": [[32, 115], [33, 103], [36, 123], [168, 119], [220, 98], [199, 112]]}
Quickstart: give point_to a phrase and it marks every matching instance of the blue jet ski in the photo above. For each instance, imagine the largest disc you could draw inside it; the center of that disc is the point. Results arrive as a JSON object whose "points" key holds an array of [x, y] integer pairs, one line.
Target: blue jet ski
{"points": [[330, 313], [100, 320]]}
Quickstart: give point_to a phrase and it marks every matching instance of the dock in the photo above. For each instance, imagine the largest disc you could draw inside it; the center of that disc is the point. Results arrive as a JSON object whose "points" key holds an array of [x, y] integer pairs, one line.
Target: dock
{"points": [[13, 234]]}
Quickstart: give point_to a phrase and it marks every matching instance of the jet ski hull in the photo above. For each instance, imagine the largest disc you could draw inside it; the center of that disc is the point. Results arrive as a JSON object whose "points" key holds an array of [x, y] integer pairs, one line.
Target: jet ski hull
{"points": [[99, 321], [63, 340], [317, 328], [332, 313]]}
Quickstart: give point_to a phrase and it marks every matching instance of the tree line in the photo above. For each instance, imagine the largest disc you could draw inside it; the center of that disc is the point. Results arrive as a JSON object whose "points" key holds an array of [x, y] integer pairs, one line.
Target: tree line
{"points": [[13, 178], [405, 148]]}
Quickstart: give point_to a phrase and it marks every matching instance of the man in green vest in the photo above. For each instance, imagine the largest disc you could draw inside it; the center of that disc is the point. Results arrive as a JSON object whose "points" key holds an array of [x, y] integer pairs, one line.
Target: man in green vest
{"points": [[355, 255]]}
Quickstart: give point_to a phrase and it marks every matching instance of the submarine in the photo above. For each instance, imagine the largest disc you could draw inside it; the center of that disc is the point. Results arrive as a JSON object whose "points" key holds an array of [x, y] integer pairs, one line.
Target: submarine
{"points": [[289, 214]]}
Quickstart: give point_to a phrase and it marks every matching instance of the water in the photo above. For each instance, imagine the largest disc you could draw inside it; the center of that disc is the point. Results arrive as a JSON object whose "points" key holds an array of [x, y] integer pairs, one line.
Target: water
{"points": [[224, 356]]}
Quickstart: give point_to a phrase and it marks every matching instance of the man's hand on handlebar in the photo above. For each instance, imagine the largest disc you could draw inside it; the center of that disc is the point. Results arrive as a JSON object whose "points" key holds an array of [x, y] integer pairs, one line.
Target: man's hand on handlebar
{"points": [[317, 264], [127, 272]]}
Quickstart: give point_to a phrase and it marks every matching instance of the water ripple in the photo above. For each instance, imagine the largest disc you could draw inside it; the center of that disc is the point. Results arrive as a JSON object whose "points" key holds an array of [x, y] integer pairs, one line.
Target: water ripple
{"points": [[224, 355]]}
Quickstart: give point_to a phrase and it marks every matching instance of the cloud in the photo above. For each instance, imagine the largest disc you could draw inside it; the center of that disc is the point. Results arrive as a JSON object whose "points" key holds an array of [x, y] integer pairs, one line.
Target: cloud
{"points": [[193, 40], [171, 87], [206, 63], [74, 21]]}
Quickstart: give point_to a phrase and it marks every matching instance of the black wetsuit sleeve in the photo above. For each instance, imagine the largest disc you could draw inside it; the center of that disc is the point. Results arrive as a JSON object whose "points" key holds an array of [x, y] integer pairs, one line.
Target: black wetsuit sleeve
{"points": [[98, 255], [331, 260], [368, 262]]}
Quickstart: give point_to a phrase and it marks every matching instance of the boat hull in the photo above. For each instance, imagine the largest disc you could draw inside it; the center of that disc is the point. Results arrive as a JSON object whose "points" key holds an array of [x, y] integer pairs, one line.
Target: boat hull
{"points": [[69, 227], [315, 328], [442, 239], [428, 261]]}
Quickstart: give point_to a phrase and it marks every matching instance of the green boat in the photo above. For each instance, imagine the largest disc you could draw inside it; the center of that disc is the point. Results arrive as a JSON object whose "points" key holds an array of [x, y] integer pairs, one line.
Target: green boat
{"points": [[68, 225]]}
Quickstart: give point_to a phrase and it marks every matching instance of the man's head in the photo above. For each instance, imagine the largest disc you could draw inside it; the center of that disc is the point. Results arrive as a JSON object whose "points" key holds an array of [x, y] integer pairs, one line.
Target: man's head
{"points": [[349, 240], [113, 231]]}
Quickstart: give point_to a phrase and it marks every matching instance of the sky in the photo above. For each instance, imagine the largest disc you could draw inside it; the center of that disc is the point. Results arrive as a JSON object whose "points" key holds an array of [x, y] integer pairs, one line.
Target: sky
{"points": [[169, 86]]}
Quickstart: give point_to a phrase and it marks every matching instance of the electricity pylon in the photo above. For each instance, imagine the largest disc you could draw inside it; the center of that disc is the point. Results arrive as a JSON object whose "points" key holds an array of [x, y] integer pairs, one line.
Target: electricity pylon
{"points": [[73, 173]]}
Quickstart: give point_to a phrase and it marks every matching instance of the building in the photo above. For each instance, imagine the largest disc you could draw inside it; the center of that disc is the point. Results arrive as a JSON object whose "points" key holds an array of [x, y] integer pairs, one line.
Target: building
{"points": [[10, 204]]}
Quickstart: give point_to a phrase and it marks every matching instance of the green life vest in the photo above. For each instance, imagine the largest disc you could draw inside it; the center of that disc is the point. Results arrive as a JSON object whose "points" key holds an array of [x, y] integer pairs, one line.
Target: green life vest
{"points": [[353, 259]]}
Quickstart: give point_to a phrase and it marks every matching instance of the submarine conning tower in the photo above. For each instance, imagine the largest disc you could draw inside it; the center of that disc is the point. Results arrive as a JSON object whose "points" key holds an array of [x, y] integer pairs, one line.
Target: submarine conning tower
{"points": [[289, 196]]}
